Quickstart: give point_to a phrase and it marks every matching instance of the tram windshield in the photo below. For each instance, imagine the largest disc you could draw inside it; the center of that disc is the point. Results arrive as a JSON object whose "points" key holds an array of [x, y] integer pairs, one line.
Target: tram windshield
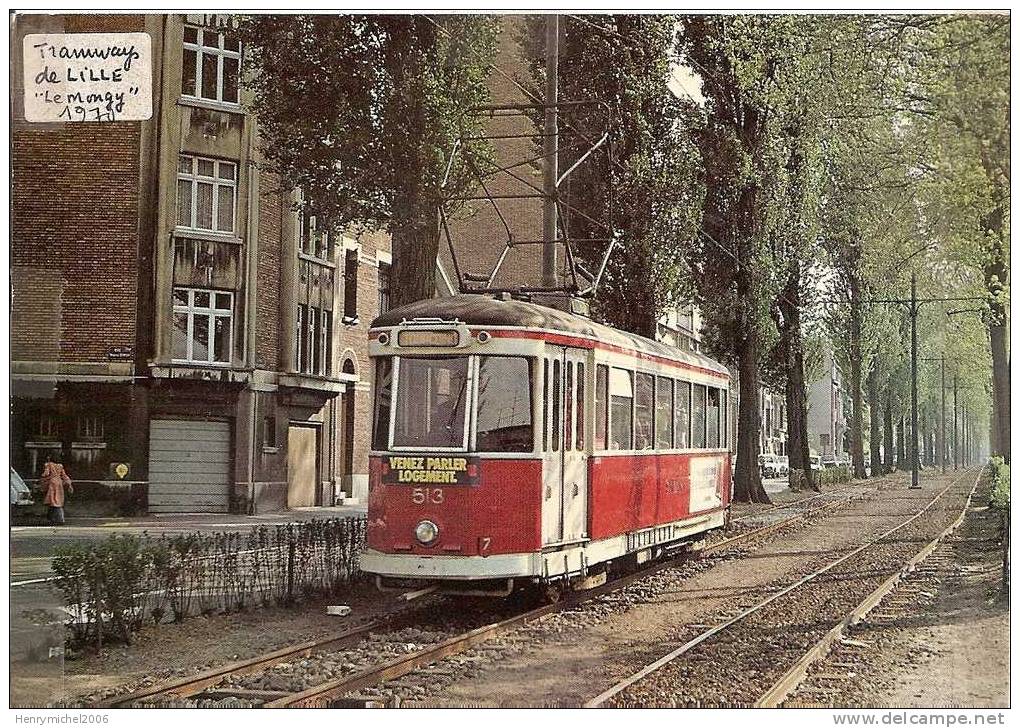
{"points": [[433, 397], [431, 401]]}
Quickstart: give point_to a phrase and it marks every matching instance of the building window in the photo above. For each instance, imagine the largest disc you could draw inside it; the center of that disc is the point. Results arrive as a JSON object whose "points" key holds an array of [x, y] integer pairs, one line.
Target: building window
{"points": [[206, 194], [269, 432], [384, 287], [314, 340], [45, 427], [90, 427], [314, 241], [351, 286], [212, 59], [301, 349], [326, 336], [203, 330]]}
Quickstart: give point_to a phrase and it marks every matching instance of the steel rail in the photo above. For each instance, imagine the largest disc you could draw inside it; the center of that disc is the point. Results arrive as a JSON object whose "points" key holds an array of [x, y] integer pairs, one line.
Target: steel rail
{"points": [[321, 695], [189, 686], [787, 684], [619, 687], [814, 496], [195, 685]]}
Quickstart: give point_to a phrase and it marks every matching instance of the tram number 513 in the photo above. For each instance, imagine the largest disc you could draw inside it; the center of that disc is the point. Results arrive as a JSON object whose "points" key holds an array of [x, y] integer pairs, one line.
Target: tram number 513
{"points": [[427, 495]]}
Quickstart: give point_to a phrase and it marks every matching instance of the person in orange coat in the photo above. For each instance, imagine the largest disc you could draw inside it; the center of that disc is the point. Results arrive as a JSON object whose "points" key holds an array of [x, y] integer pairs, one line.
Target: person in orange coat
{"points": [[53, 481]]}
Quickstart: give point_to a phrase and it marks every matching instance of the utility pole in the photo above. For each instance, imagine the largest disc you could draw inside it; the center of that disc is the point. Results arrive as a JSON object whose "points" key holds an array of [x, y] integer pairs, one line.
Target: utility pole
{"points": [[966, 437], [915, 476], [956, 408], [550, 150], [913, 304], [942, 424]]}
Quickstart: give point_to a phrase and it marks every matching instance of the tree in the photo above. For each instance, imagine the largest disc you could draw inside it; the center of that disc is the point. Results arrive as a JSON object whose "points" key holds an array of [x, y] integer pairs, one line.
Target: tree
{"points": [[362, 111], [962, 113], [742, 59]]}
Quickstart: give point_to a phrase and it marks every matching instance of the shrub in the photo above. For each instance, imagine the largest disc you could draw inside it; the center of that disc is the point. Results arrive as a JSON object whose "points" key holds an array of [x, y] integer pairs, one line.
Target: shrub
{"points": [[831, 476], [1000, 484], [112, 586]]}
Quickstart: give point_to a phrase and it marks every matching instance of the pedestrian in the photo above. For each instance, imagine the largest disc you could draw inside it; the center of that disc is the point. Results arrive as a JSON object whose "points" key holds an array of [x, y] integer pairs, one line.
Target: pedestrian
{"points": [[53, 481]]}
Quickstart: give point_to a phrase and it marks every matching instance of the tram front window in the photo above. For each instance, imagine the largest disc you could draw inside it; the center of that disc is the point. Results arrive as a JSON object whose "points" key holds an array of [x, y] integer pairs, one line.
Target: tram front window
{"points": [[503, 421], [431, 402]]}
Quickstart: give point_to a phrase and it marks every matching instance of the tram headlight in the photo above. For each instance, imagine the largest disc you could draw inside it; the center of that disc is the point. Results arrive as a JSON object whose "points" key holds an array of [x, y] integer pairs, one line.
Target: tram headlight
{"points": [[426, 532]]}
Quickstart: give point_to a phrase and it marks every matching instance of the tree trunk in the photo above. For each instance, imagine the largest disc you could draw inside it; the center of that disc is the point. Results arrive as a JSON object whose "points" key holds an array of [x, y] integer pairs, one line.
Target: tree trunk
{"points": [[875, 423], [888, 464], [415, 247], [995, 280], [901, 446], [747, 485], [797, 447], [857, 400]]}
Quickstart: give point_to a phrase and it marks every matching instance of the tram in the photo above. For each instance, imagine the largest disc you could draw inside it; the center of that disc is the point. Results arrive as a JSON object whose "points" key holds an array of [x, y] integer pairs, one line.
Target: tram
{"points": [[516, 445]]}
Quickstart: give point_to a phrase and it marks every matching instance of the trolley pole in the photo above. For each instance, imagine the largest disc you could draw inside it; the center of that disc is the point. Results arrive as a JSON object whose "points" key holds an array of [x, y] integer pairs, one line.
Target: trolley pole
{"points": [[550, 149], [915, 476]]}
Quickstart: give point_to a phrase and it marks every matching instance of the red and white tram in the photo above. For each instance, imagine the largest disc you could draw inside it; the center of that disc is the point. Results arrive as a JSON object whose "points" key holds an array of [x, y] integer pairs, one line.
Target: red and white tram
{"points": [[516, 444]]}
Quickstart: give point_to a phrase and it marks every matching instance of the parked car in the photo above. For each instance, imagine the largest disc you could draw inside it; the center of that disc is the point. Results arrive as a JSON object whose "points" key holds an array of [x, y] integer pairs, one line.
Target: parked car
{"points": [[21, 494], [773, 466]]}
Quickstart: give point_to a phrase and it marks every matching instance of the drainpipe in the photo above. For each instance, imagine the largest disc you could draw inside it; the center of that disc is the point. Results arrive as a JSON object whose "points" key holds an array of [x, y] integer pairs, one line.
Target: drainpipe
{"points": [[250, 313]]}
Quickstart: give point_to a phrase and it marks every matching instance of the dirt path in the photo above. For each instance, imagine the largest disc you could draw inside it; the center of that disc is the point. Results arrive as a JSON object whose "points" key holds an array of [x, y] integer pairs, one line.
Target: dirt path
{"points": [[957, 654], [584, 661]]}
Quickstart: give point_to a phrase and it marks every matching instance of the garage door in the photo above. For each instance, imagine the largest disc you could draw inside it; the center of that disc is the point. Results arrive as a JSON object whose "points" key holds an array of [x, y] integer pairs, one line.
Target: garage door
{"points": [[189, 466]]}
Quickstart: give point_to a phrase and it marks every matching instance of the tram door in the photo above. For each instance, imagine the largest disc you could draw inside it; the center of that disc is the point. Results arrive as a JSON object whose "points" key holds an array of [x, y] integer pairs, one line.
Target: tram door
{"points": [[565, 463]]}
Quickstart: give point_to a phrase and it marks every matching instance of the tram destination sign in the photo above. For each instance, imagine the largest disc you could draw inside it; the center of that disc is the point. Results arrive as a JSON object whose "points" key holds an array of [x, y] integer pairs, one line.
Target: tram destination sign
{"points": [[429, 470]]}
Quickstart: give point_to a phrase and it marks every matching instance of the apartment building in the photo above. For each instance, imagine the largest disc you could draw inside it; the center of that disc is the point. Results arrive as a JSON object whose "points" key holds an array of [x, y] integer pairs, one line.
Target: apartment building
{"points": [[826, 419], [184, 336]]}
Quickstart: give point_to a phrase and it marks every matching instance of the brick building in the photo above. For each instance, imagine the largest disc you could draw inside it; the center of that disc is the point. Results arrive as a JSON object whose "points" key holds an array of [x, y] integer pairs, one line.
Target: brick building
{"points": [[182, 335]]}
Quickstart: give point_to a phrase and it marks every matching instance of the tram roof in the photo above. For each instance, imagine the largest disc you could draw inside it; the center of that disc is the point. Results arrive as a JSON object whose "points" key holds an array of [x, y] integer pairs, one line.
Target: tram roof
{"points": [[479, 310]]}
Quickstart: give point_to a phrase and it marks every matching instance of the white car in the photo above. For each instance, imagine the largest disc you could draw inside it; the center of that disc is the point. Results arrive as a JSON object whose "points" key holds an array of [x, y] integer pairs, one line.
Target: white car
{"points": [[21, 495]]}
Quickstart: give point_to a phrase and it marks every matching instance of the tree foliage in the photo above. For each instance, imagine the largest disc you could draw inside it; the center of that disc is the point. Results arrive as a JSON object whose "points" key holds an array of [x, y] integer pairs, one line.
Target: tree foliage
{"points": [[362, 113]]}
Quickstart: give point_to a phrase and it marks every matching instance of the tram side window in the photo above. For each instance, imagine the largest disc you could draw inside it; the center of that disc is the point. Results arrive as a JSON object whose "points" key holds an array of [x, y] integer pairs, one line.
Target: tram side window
{"points": [[568, 408], [431, 402], [724, 421], [545, 404], [503, 419], [621, 406], [557, 404], [383, 393], [698, 417], [682, 415], [580, 406], [644, 405], [601, 405], [663, 413], [713, 419]]}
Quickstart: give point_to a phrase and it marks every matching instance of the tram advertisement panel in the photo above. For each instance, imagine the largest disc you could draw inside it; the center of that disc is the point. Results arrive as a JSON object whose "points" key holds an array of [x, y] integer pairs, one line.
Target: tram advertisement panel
{"points": [[705, 473], [429, 469]]}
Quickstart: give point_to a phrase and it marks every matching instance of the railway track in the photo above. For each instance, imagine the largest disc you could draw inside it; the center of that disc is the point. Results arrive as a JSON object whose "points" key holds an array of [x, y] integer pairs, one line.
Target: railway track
{"points": [[239, 684], [764, 634]]}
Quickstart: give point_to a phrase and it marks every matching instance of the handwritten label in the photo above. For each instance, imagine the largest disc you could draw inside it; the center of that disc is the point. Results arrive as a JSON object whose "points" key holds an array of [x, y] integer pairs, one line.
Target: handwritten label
{"points": [[88, 77]]}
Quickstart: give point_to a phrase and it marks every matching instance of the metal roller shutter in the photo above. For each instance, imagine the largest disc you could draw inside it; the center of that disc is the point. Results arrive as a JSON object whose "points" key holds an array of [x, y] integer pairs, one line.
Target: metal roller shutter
{"points": [[189, 466]]}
